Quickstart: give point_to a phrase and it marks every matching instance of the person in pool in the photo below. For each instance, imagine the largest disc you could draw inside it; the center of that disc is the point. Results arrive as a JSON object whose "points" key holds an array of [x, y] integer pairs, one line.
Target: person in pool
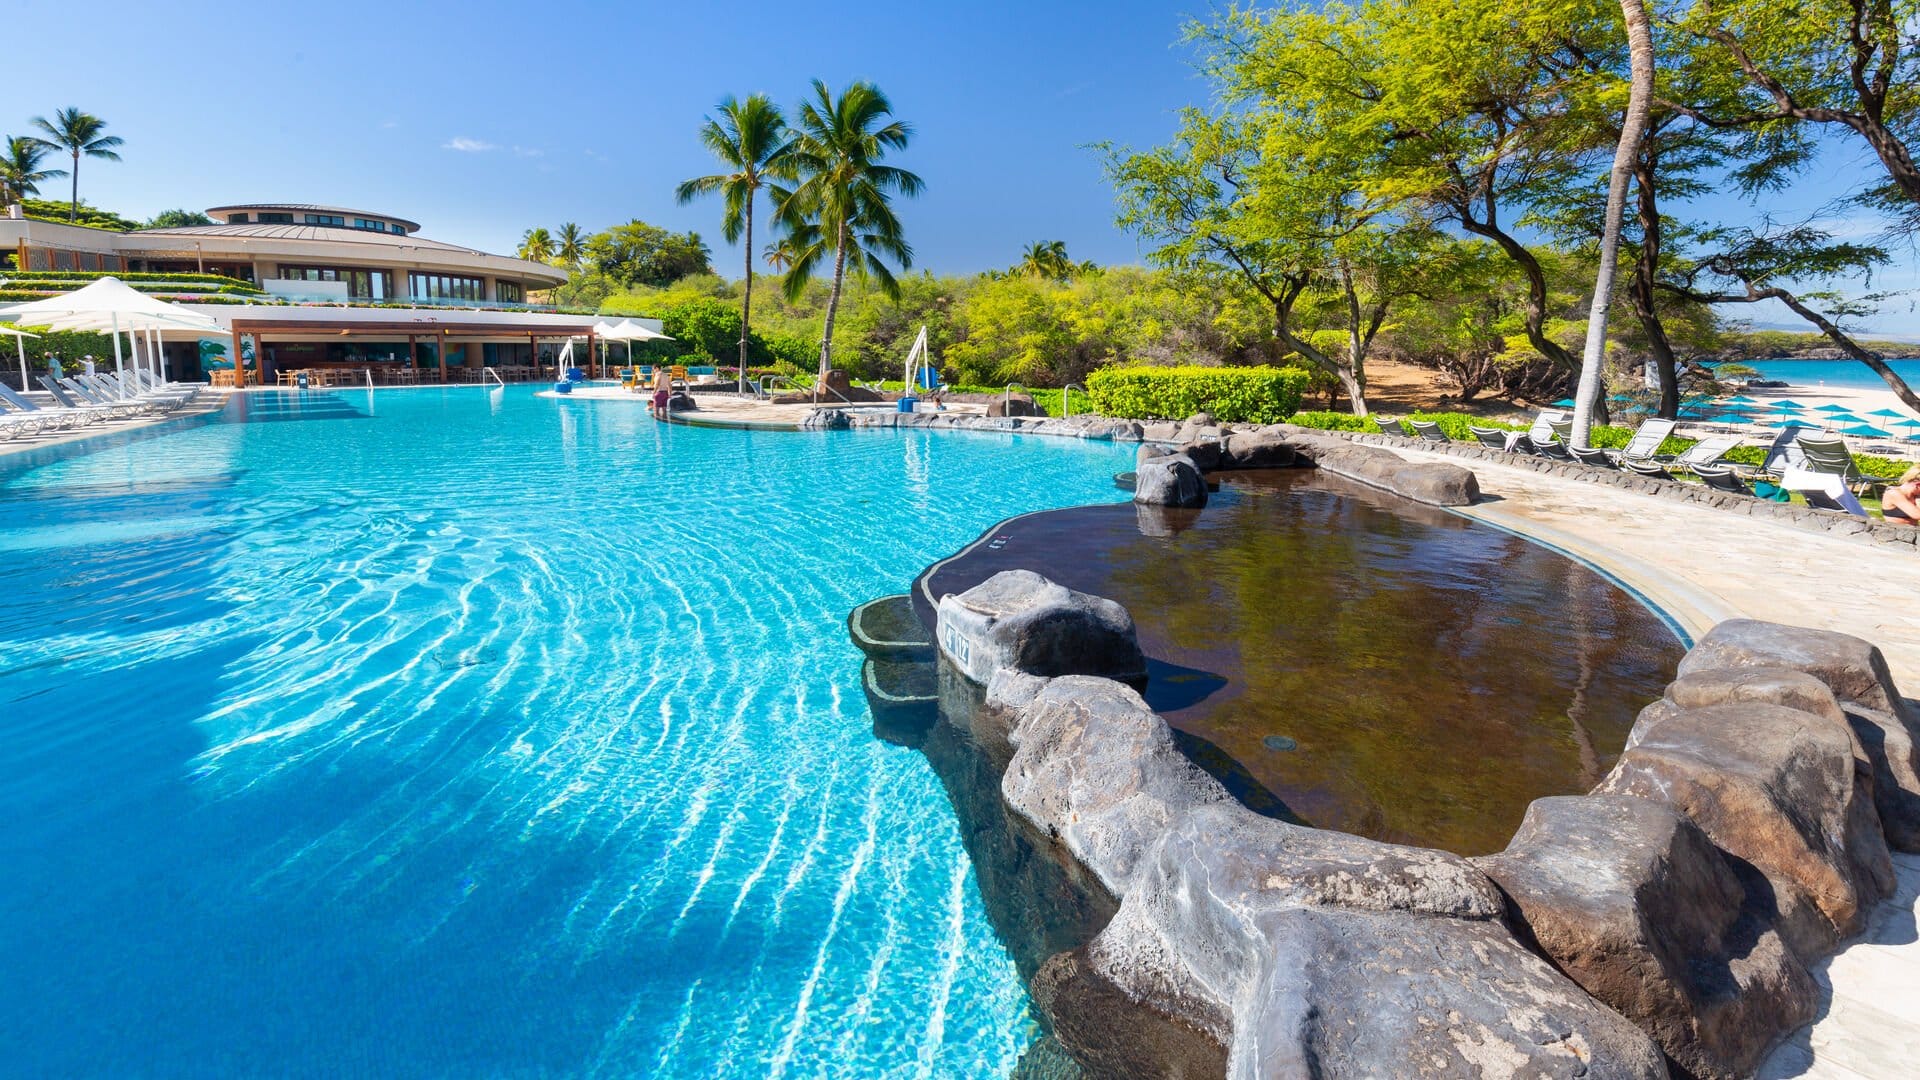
{"points": [[1900, 503], [662, 390]]}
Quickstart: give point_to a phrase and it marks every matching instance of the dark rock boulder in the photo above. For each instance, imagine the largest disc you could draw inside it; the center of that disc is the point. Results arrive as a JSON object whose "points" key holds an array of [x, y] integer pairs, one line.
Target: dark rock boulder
{"points": [[1777, 787], [1097, 771], [1314, 953], [1019, 620], [1856, 673], [1169, 481], [1113, 1037], [1635, 904], [1205, 454], [826, 420], [1014, 405], [1437, 484], [1148, 451], [1262, 448]]}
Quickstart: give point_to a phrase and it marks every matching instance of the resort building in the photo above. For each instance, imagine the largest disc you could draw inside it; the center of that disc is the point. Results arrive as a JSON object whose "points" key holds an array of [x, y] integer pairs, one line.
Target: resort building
{"points": [[338, 288]]}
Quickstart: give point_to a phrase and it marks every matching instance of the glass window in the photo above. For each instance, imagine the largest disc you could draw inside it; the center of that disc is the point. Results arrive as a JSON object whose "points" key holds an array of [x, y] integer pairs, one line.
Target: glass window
{"points": [[236, 219], [276, 219], [364, 223], [508, 291], [401, 229], [447, 287], [325, 219]]}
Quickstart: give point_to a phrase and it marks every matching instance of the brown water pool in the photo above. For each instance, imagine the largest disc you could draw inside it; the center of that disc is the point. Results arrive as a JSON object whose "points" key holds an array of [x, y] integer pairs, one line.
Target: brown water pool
{"points": [[1354, 661]]}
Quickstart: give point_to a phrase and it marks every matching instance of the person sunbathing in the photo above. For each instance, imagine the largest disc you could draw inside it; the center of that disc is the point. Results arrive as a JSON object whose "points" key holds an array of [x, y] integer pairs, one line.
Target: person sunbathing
{"points": [[1900, 503]]}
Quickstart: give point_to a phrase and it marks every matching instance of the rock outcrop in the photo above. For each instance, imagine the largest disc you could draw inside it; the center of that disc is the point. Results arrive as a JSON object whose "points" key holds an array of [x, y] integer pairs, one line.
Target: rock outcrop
{"points": [[1856, 674], [1636, 904], [1020, 621], [1014, 405]]}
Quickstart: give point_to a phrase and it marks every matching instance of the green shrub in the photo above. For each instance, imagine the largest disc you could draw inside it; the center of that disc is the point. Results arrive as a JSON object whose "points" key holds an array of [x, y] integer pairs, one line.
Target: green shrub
{"points": [[1455, 425], [1260, 395], [1335, 421]]}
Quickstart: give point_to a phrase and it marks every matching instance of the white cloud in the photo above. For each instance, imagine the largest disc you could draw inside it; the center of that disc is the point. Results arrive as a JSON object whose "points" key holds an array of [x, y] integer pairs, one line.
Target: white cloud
{"points": [[527, 151], [467, 145]]}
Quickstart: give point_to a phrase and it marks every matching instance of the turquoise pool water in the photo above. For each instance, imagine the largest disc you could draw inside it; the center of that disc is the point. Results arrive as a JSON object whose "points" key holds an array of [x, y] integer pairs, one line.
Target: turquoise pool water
{"points": [[461, 733]]}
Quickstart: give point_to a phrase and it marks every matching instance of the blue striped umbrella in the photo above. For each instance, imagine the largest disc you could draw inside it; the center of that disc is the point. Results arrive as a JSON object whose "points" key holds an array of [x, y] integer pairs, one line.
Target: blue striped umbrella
{"points": [[1830, 407], [1786, 405], [1892, 414], [1736, 418], [1866, 431]]}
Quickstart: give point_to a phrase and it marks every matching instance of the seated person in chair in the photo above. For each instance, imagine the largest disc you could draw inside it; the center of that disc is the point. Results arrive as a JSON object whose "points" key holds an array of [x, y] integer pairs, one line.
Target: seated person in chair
{"points": [[1900, 503]]}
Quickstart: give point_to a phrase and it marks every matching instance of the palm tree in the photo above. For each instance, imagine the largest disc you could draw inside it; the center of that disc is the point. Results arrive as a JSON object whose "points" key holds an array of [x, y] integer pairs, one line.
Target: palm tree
{"points": [[1047, 259], [1633, 132], [20, 171], [77, 133], [536, 245], [747, 139], [780, 254], [841, 202], [571, 246]]}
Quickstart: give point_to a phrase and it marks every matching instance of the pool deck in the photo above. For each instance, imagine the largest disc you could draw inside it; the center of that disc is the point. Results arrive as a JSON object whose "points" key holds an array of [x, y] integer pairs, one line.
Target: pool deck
{"points": [[209, 401], [1702, 566], [728, 410]]}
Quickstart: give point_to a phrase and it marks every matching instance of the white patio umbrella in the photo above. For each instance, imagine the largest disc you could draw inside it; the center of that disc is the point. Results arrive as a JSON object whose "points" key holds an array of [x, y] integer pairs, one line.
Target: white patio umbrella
{"points": [[107, 304], [20, 338], [628, 331]]}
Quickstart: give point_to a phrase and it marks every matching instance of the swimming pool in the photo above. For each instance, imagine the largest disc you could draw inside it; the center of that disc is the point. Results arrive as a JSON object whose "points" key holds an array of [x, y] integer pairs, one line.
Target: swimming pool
{"points": [[457, 732]]}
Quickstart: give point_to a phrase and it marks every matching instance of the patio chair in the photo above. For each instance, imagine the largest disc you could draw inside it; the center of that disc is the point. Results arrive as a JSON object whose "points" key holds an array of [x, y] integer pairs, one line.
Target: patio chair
{"points": [[1587, 455], [1828, 455], [1388, 427], [1497, 438], [1721, 478], [1647, 468], [1428, 431], [73, 394], [1823, 491], [1646, 441]]}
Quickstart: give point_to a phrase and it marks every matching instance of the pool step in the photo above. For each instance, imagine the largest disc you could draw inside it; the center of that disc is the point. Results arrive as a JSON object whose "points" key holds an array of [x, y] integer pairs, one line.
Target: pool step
{"points": [[889, 629], [903, 696]]}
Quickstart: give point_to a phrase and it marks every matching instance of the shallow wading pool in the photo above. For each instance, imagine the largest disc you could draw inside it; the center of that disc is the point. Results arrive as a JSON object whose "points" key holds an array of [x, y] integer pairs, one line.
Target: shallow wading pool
{"points": [[458, 732]]}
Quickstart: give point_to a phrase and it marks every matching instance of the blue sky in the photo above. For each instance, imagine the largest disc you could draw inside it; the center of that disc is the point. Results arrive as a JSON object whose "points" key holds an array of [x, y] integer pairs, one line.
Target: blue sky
{"points": [[481, 119]]}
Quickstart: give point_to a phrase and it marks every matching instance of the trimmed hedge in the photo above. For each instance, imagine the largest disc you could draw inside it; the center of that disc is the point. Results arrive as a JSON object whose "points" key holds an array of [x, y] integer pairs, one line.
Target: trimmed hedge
{"points": [[131, 277], [1336, 421], [1232, 395]]}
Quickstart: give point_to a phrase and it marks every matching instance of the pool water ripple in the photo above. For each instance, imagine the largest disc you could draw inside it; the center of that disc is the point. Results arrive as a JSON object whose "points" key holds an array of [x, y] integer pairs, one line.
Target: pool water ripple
{"points": [[483, 734]]}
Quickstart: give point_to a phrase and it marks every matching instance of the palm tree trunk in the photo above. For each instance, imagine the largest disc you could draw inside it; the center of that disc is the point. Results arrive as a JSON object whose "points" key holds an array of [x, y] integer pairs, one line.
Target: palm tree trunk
{"points": [[1632, 132], [746, 298], [833, 306], [73, 207]]}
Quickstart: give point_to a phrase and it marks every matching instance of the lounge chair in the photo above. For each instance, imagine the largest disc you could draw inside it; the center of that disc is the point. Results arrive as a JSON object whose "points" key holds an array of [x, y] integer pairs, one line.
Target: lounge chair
{"points": [[1782, 454], [1498, 438], [1541, 435], [1428, 431], [1645, 444], [1829, 456], [1645, 468], [1707, 451], [65, 417], [1721, 478], [86, 397], [1587, 455], [1388, 427], [1823, 491]]}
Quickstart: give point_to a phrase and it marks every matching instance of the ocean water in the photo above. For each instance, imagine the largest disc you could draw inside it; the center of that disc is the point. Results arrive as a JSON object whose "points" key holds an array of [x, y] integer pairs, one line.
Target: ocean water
{"points": [[463, 733], [1843, 374]]}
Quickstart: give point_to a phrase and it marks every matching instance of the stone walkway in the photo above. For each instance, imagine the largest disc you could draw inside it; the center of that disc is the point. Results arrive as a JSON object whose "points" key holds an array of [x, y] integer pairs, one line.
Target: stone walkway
{"points": [[1703, 566]]}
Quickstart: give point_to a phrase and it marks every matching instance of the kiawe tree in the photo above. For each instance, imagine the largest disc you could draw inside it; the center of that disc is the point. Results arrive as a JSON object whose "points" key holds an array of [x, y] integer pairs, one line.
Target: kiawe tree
{"points": [[1846, 68], [748, 137], [77, 133], [841, 202]]}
